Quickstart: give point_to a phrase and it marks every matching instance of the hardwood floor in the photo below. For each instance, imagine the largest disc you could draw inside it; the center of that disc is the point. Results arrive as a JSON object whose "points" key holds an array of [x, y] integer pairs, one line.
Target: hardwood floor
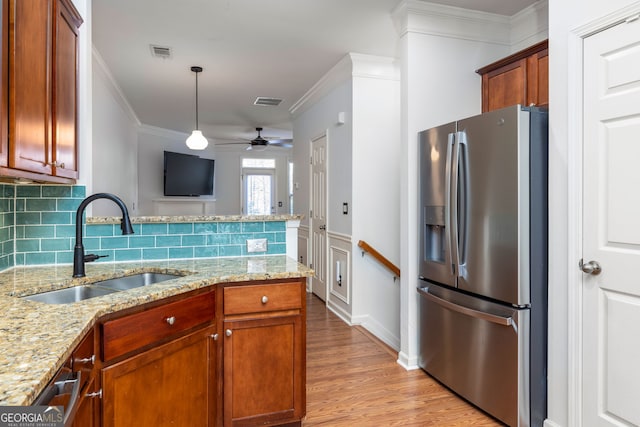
{"points": [[353, 380]]}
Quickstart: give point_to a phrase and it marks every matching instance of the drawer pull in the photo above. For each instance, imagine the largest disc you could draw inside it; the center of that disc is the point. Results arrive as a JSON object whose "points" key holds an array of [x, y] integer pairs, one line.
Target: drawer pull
{"points": [[228, 332], [265, 299], [171, 320], [91, 360]]}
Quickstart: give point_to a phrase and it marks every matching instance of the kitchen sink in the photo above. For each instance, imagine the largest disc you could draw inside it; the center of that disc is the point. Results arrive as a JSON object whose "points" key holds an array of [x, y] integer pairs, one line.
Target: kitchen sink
{"points": [[69, 295], [135, 281], [98, 289]]}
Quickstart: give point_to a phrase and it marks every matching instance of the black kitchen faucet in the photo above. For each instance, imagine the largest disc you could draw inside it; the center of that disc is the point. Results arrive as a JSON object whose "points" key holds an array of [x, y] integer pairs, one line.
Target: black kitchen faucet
{"points": [[79, 258]]}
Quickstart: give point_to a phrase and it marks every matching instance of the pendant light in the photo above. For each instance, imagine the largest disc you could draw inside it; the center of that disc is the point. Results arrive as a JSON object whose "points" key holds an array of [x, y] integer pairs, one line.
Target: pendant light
{"points": [[196, 140]]}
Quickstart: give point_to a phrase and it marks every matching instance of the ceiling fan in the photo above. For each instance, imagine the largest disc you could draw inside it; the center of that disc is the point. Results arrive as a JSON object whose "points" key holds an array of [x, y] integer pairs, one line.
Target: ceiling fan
{"points": [[260, 143]]}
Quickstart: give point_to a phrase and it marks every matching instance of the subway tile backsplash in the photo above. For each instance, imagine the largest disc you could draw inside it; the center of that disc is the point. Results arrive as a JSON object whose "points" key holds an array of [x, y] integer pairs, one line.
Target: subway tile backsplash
{"points": [[37, 226]]}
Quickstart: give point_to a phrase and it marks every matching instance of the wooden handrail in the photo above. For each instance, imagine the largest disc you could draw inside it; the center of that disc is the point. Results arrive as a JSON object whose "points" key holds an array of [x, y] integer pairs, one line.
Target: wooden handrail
{"points": [[377, 255]]}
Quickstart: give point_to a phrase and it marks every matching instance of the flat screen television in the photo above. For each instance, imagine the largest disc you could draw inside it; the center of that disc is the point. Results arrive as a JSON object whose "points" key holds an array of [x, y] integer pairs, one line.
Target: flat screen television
{"points": [[187, 175]]}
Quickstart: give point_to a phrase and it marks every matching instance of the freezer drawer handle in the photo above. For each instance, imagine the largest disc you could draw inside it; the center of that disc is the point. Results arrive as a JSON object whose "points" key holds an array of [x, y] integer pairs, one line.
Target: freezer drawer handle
{"points": [[500, 320]]}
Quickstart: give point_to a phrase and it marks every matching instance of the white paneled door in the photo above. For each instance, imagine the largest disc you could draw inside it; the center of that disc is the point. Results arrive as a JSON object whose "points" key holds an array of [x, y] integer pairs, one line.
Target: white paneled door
{"points": [[611, 227], [318, 216]]}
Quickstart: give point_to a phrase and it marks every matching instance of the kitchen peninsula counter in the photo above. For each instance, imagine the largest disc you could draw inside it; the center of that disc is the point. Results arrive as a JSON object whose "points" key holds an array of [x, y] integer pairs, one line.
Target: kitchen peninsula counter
{"points": [[35, 338]]}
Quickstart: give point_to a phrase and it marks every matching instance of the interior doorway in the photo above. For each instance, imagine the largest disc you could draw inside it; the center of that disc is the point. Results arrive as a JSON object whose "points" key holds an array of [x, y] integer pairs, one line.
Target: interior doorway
{"points": [[318, 216]]}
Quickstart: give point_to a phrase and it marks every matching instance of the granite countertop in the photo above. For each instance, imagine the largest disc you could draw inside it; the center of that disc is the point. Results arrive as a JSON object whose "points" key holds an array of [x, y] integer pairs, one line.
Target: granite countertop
{"points": [[35, 338], [192, 218]]}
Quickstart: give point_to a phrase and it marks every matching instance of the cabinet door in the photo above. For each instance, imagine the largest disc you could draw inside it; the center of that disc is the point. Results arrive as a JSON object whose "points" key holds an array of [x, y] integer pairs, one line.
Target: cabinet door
{"points": [[4, 82], [65, 91], [88, 408], [30, 85], [264, 371], [505, 86], [538, 79], [169, 385]]}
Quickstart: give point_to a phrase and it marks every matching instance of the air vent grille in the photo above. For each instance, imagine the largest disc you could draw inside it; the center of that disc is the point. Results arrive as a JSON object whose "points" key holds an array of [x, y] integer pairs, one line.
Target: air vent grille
{"points": [[160, 51], [266, 101]]}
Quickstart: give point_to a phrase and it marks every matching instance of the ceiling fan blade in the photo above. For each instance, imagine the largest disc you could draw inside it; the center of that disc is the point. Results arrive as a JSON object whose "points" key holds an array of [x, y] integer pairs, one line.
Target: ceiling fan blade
{"points": [[285, 143]]}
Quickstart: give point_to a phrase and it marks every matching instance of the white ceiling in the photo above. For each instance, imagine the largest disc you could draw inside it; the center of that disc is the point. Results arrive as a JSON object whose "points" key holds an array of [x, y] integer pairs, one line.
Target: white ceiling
{"points": [[248, 48]]}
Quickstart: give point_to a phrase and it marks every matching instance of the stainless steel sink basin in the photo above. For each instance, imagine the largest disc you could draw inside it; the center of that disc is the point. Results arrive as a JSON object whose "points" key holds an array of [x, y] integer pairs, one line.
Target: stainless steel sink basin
{"points": [[98, 289], [69, 295], [135, 281]]}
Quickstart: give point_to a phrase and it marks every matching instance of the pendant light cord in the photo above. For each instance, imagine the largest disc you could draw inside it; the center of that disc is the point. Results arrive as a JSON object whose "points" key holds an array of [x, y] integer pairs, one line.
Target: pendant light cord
{"points": [[196, 100]]}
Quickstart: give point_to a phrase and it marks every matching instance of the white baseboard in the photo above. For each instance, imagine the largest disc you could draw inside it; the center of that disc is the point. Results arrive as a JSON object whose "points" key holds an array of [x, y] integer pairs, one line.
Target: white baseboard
{"points": [[338, 311], [378, 331], [549, 423], [408, 363]]}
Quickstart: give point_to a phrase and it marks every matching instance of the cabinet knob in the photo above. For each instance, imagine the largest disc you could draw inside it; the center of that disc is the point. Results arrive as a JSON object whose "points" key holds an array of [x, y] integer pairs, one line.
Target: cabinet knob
{"points": [[215, 337], [97, 394], [171, 320], [265, 299], [85, 360], [228, 332]]}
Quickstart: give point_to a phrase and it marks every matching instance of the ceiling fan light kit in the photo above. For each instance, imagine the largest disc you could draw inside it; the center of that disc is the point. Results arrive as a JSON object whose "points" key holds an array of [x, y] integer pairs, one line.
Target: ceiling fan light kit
{"points": [[196, 140]]}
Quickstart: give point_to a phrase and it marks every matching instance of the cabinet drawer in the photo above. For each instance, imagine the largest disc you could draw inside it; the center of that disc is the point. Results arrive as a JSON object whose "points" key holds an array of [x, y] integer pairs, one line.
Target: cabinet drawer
{"points": [[137, 330], [261, 298]]}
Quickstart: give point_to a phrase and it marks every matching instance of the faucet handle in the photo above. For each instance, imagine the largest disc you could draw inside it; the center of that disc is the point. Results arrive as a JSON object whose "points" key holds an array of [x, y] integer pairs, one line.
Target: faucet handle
{"points": [[93, 257]]}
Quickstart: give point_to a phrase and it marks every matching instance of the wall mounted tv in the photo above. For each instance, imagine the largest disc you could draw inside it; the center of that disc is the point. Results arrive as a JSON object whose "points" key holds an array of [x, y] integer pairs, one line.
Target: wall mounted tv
{"points": [[187, 175]]}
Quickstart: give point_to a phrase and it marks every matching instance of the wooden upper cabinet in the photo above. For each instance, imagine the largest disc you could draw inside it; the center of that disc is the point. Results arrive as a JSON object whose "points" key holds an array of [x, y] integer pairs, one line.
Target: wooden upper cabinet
{"points": [[43, 87], [522, 78]]}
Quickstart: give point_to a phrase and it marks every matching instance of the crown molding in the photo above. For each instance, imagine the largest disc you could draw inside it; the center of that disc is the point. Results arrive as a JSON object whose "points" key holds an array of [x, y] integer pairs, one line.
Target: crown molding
{"points": [[351, 65], [530, 25], [421, 17], [113, 86]]}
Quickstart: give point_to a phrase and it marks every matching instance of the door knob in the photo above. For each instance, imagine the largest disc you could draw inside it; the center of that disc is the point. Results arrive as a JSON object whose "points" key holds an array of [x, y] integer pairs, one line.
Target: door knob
{"points": [[591, 267], [323, 227]]}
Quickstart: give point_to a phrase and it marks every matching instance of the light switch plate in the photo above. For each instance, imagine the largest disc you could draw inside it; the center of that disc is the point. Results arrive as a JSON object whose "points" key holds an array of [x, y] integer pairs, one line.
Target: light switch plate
{"points": [[256, 245]]}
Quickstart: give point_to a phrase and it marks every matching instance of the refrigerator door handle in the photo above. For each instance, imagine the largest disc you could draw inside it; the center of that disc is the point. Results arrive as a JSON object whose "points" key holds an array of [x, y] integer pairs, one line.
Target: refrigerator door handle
{"points": [[462, 206], [493, 318], [447, 205], [453, 204]]}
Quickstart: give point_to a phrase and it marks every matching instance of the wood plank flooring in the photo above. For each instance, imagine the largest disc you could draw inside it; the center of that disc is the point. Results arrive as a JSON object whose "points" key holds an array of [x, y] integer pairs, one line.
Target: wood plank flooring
{"points": [[353, 380]]}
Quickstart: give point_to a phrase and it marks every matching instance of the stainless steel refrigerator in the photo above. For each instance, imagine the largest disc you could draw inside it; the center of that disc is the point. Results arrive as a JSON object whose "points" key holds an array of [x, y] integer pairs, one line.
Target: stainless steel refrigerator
{"points": [[483, 261]]}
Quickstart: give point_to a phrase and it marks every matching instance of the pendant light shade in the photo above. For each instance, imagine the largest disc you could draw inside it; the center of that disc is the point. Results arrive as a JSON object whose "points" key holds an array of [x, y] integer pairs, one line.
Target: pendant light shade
{"points": [[196, 140]]}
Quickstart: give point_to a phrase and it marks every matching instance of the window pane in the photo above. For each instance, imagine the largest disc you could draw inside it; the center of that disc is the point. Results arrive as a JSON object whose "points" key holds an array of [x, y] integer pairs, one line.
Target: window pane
{"points": [[259, 163], [258, 194]]}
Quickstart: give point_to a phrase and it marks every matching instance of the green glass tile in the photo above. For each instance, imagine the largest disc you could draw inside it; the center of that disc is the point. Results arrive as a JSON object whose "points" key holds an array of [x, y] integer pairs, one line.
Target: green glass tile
{"points": [[39, 258], [18, 259], [27, 245], [5, 205], [229, 227], [9, 191], [128, 255], [7, 219], [277, 249], [41, 205], [5, 262], [58, 218], [65, 230], [56, 191], [205, 251], [26, 218], [65, 257], [142, 241], [166, 241], [281, 237], [5, 234], [181, 228], [19, 205], [39, 231], [155, 253], [229, 250], [68, 205], [114, 242], [205, 227], [55, 244], [28, 190], [79, 191], [154, 229], [137, 228], [218, 239], [89, 243], [100, 230], [178, 253], [252, 227], [239, 239], [19, 232], [7, 247], [275, 226], [193, 240]]}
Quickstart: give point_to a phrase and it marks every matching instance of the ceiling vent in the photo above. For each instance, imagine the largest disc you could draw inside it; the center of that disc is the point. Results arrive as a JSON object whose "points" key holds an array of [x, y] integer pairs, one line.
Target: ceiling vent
{"points": [[163, 52], [266, 101]]}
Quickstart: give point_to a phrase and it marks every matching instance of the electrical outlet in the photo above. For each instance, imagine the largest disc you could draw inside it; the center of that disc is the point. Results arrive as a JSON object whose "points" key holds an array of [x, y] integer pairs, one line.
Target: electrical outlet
{"points": [[256, 245]]}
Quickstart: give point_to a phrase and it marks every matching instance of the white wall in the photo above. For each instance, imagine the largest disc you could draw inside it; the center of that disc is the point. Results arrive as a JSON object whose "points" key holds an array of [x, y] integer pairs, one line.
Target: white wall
{"points": [[114, 159], [565, 105], [153, 141]]}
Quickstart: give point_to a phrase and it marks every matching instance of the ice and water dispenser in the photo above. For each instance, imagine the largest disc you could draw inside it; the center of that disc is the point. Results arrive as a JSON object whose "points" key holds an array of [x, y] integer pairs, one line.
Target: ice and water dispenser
{"points": [[434, 233]]}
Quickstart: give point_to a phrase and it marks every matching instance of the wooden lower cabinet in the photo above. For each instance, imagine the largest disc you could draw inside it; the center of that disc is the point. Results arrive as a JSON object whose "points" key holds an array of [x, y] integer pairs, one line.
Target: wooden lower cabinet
{"points": [[263, 371], [88, 412], [169, 385]]}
